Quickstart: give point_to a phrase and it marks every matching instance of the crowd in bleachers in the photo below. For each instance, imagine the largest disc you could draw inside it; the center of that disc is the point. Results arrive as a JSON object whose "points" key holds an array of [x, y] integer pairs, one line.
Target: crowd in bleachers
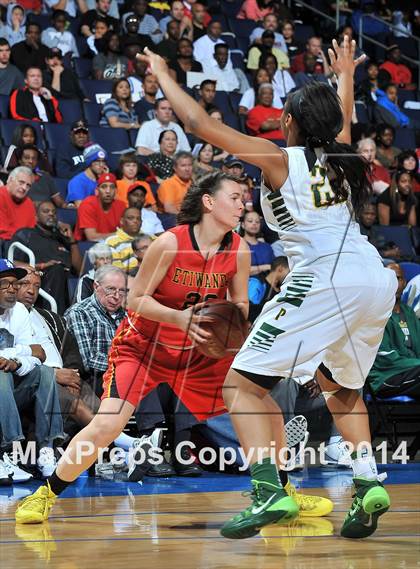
{"points": [[94, 165]]}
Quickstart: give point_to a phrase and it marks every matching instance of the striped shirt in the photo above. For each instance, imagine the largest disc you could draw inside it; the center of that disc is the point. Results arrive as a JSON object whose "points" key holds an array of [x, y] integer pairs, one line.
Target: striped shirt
{"points": [[122, 252], [112, 109]]}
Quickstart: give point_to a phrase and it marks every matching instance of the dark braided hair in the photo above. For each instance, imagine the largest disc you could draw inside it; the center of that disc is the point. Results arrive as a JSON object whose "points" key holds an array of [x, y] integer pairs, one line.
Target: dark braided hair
{"points": [[316, 108], [191, 211]]}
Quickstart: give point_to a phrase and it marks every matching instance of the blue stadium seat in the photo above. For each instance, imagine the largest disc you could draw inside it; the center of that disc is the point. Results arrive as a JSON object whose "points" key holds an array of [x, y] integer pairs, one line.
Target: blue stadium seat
{"points": [[8, 126], [412, 113], [229, 39], [410, 270], [406, 95], [222, 101], [241, 28], [67, 215], [400, 235], [132, 136], [82, 67], [231, 120], [92, 87], [405, 138], [232, 8], [234, 99], [92, 112], [303, 32], [56, 134], [112, 139], [243, 43], [82, 46], [71, 110], [61, 184], [237, 58], [168, 220], [4, 106], [361, 112]]}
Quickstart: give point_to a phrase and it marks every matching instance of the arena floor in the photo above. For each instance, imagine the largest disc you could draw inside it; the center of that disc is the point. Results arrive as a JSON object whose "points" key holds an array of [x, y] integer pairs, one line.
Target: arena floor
{"points": [[174, 523]]}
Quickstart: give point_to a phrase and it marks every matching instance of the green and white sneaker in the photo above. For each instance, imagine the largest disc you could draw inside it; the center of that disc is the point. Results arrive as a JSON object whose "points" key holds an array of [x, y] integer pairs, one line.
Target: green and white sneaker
{"points": [[371, 500], [269, 504]]}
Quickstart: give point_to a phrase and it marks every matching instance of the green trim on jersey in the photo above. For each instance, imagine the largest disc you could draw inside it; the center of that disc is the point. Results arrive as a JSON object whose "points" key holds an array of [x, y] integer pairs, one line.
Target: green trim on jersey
{"points": [[263, 338], [280, 211], [297, 289]]}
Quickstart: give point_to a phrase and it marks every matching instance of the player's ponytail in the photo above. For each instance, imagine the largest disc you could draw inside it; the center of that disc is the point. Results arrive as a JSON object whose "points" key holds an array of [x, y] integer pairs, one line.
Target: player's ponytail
{"points": [[191, 211], [316, 108]]}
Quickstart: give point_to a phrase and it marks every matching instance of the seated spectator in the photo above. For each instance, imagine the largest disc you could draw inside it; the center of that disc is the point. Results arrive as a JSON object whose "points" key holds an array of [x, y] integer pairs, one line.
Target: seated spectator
{"points": [[34, 102], [221, 69], [10, 76], [261, 253], [84, 184], [140, 245], [62, 82], [98, 255], [96, 41], [58, 36], [171, 192], [147, 140], [367, 221], [69, 159], [98, 216], [379, 176], [397, 204], [184, 62], [287, 29], [280, 78], [110, 64], [219, 153], [176, 14], [401, 21], [310, 73], [386, 153], [69, 6], [94, 321], [248, 99], [16, 209], [207, 94], [101, 11], [387, 108], [162, 162], [15, 28], [194, 27], [113, 9], [314, 48], [270, 22], [132, 23], [24, 134], [366, 89], [167, 47], [145, 106], [24, 383], [204, 153], [409, 162], [136, 79], [396, 370], [147, 23], [30, 52], [118, 111], [266, 47], [264, 286], [255, 10], [43, 187], [400, 73], [233, 166], [264, 119], [204, 46], [56, 252], [150, 223], [127, 174], [120, 242]]}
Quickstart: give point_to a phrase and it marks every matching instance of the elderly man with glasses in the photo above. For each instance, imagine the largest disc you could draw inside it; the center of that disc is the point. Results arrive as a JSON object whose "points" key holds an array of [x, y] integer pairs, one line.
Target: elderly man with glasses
{"points": [[94, 321]]}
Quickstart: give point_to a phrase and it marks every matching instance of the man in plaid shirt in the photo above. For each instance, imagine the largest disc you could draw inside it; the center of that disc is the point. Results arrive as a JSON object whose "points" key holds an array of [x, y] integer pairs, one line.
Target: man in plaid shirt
{"points": [[94, 321]]}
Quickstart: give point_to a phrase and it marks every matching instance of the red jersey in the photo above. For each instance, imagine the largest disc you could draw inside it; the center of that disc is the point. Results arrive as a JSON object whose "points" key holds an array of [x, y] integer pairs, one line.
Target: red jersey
{"points": [[191, 278], [15, 215]]}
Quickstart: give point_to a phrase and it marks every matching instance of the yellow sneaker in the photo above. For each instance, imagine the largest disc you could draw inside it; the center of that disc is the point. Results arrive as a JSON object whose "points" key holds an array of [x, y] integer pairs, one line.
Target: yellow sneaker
{"points": [[35, 508], [310, 506]]}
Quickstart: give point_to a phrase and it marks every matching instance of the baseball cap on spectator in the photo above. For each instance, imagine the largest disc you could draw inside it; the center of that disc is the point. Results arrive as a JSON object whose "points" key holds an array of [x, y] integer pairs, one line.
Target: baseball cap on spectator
{"points": [[268, 34], [106, 178], [7, 269], [54, 52], [92, 153], [79, 125], [231, 161], [135, 186]]}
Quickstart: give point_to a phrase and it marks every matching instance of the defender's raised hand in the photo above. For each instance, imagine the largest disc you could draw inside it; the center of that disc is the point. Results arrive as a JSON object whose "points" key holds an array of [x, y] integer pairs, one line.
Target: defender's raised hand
{"points": [[343, 58]]}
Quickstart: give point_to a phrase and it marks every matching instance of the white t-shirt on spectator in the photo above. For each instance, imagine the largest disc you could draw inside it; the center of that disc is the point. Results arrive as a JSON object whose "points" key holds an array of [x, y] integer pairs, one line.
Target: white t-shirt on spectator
{"points": [[248, 100], [283, 82], [226, 77], [137, 91], [40, 108], [63, 40], [150, 223], [148, 135], [204, 49], [70, 6]]}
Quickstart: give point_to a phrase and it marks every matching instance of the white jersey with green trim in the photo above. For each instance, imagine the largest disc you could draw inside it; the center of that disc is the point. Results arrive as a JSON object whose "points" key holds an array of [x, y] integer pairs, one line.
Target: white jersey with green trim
{"points": [[308, 228]]}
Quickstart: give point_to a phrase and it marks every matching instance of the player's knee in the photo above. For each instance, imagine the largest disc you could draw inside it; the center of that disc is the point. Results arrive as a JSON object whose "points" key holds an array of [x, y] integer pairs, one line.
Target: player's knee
{"points": [[103, 430]]}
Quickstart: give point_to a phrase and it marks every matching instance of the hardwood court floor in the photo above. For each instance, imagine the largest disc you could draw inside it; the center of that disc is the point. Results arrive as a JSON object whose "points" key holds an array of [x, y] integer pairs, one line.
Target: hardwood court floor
{"points": [[180, 530]]}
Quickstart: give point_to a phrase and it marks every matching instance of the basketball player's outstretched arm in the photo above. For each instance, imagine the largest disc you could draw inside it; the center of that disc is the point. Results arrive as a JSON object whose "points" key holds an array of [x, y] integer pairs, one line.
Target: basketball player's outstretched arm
{"points": [[343, 63]]}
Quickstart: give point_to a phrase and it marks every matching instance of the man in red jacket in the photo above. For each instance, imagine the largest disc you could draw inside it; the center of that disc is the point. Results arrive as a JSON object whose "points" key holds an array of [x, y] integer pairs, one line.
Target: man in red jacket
{"points": [[16, 209], [400, 73], [34, 102]]}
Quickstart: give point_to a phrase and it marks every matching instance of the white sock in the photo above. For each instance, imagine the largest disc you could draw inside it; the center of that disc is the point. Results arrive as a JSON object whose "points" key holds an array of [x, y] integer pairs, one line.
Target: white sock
{"points": [[365, 467], [334, 439], [124, 441]]}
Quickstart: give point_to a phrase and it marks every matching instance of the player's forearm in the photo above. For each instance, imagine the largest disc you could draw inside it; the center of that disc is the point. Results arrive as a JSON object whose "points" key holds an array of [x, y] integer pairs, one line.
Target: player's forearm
{"points": [[147, 307], [346, 93]]}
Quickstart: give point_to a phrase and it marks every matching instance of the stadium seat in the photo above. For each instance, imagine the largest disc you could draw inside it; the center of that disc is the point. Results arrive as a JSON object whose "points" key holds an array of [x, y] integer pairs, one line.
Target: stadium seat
{"points": [[237, 58], [232, 120], [408, 47], [400, 235], [8, 126], [168, 220], [234, 99], [303, 32], [61, 184], [71, 110], [222, 102], [67, 215], [56, 134], [232, 8], [92, 112], [4, 106], [112, 139], [361, 112], [241, 28], [405, 138], [82, 67], [410, 270], [406, 95], [229, 39], [93, 87]]}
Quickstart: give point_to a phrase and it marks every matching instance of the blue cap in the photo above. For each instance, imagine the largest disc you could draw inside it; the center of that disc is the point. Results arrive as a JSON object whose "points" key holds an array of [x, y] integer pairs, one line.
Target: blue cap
{"points": [[7, 269]]}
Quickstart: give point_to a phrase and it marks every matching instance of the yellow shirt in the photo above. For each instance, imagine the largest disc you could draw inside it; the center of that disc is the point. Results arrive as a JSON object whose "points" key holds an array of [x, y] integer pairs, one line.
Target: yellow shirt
{"points": [[254, 56]]}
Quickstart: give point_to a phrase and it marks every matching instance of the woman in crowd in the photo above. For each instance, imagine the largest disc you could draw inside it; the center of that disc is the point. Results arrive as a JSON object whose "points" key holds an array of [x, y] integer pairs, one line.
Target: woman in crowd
{"points": [[282, 80], [203, 161], [162, 163], [288, 31], [24, 134], [397, 204], [118, 111], [261, 252], [409, 162]]}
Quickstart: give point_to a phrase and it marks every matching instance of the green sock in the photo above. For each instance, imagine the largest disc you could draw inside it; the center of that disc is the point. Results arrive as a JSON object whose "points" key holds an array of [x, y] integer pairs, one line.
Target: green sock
{"points": [[265, 471]]}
